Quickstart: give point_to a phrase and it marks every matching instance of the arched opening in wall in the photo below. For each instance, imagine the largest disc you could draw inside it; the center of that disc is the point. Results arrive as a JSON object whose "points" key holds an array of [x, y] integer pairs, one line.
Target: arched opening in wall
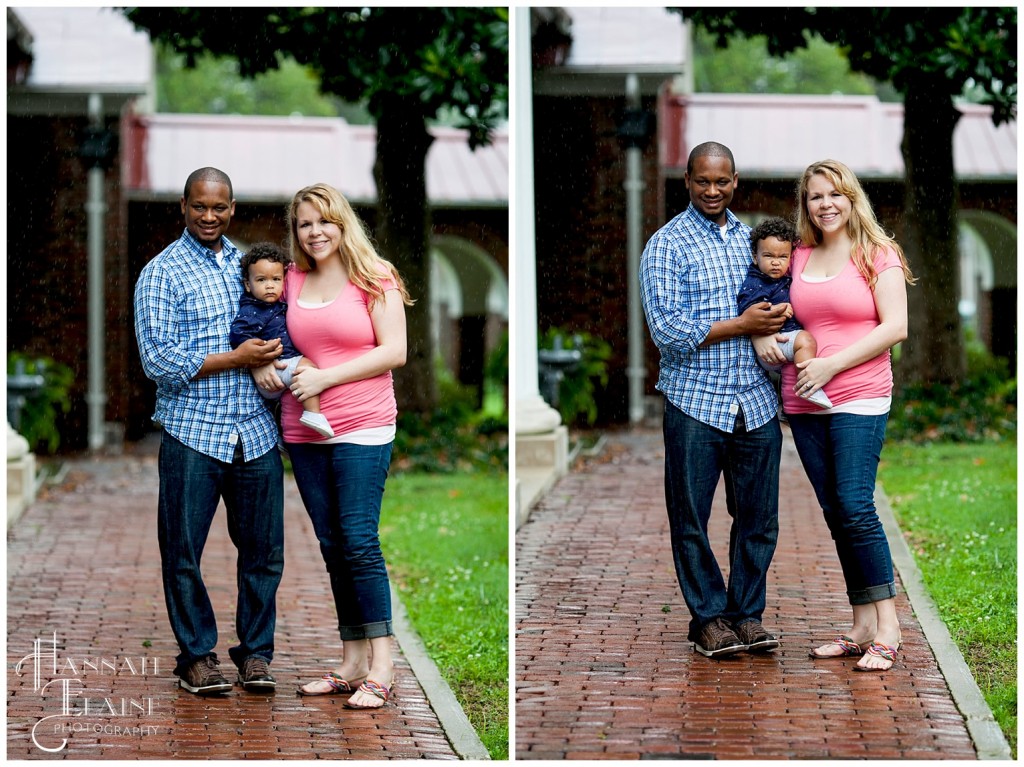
{"points": [[988, 280], [469, 312]]}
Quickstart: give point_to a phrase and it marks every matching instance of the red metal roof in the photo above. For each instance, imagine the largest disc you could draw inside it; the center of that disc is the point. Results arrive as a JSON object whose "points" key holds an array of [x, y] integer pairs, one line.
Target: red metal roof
{"points": [[270, 158], [773, 136]]}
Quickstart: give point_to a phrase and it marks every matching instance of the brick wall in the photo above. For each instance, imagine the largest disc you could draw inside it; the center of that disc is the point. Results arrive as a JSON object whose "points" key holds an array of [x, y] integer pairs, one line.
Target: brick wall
{"points": [[47, 258], [580, 167]]}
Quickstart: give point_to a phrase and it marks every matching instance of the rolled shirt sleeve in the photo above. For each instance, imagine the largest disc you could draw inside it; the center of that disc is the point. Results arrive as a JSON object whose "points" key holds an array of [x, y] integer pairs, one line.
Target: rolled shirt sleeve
{"points": [[165, 350]]}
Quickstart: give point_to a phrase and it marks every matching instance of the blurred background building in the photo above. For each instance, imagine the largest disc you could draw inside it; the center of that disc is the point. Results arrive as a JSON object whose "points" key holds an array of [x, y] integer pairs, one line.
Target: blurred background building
{"points": [[94, 183], [611, 81]]}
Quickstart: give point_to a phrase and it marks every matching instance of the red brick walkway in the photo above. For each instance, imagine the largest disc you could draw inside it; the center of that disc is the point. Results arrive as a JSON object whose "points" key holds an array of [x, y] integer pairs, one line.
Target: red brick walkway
{"points": [[604, 669], [83, 562]]}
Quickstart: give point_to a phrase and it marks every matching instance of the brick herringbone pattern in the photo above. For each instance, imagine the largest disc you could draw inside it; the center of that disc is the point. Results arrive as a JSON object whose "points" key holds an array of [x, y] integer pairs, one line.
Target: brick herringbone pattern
{"points": [[83, 562], [604, 669]]}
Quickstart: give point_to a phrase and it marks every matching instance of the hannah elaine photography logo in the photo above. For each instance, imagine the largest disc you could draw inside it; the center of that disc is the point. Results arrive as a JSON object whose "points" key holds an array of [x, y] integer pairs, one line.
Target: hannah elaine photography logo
{"points": [[60, 680]]}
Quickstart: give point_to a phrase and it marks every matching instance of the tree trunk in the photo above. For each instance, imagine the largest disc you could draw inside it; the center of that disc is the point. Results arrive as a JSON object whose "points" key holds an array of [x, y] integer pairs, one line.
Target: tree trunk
{"points": [[403, 230], [934, 349]]}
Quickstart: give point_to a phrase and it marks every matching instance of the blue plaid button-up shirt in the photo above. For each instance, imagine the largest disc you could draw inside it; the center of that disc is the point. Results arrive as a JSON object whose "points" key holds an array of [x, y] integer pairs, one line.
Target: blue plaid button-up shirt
{"points": [[184, 304], [689, 277]]}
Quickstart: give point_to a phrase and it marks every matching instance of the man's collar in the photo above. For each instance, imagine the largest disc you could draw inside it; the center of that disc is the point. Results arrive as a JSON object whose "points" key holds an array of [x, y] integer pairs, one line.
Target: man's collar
{"points": [[730, 219], [226, 246]]}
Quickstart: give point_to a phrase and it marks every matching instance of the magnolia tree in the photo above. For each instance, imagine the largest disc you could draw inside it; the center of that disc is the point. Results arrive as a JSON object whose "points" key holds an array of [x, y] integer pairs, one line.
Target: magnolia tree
{"points": [[931, 56], [407, 65]]}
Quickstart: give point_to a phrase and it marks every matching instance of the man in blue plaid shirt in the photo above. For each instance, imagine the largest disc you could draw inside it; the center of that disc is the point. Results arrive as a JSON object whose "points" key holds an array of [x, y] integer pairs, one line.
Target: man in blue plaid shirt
{"points": [[720, 407], [219, 440]]}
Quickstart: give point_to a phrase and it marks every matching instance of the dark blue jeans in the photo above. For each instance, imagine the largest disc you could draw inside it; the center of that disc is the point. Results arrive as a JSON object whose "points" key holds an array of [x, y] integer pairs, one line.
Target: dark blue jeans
{"points": [[191, 487], [696, 457], [342, 487], [840, 454]]}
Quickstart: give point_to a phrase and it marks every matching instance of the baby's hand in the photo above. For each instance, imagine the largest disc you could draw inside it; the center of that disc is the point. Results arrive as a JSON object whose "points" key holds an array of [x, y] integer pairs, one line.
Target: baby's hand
{"points": [[789, 310]]}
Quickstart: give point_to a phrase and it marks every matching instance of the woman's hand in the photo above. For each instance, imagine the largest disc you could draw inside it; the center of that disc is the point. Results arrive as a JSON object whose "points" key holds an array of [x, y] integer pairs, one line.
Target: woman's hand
{"points": [[767, 349], [266, 377], [812, 375], [308, 382]]}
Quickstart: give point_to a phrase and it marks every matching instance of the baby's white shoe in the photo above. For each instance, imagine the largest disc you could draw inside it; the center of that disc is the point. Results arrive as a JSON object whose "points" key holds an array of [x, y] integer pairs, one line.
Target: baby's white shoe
{"points": [[820, 399], [317, 422]]}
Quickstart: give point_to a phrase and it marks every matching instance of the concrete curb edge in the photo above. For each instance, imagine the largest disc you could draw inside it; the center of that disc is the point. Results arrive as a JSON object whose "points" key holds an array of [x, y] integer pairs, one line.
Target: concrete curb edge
{"points": [[984, 730], [460, 732]]}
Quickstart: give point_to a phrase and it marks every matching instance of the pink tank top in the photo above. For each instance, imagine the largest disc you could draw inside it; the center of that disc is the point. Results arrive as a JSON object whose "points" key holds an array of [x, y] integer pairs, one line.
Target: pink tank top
{"points": [[329, 335], [837, 312]]}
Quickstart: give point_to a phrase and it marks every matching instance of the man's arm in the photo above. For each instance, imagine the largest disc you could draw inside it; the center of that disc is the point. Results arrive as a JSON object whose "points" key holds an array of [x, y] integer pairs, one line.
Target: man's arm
{"points": [[758, 320], [666, 306], [164, 352], [253, 353]]}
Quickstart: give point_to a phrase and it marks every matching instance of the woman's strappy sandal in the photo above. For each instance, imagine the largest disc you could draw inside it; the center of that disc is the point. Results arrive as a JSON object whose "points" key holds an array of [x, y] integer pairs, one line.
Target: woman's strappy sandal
{"points": [[373, 688], [883, 651], [847, 645], [338, 686]]}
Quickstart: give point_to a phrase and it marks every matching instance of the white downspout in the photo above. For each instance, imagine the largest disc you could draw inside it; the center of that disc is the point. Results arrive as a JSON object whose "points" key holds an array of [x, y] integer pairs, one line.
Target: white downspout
{"points": [[636, 370], [96, 208]]}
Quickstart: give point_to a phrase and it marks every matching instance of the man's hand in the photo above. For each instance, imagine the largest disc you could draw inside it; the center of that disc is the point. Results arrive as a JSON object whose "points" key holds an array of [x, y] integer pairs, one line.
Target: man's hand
{"points": [[266, 377], [763, 319], [256, 352], [253, 353]]}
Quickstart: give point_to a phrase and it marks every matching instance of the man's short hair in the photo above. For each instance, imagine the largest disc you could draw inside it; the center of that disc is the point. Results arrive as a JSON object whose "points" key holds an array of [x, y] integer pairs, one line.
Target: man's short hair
{"points": [[709, 149], [210, 176]]}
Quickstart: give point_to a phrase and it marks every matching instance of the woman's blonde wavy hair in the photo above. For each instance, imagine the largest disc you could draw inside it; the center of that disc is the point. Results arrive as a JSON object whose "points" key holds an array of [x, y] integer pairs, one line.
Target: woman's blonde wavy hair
{"points": [[359, 256], [869, 238]]}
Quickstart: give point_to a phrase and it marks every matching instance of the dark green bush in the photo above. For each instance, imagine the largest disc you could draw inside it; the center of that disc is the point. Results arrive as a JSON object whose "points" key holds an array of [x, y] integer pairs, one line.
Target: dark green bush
{"points": [[455, 437], [39, 417], [576, 402], [982, 407]]}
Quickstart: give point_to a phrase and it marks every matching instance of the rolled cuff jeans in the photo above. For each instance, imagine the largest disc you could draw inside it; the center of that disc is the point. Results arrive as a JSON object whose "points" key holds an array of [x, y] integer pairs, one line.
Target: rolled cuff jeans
{"points": [[840, 454], [191, 487], [697, 456], [342, 487]]}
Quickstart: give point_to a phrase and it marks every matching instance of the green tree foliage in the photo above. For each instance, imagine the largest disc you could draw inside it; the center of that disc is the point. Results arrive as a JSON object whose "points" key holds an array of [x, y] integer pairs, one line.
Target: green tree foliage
{"points": [[445, 58], [745, 66], [931, 56], [406, 65], [214, 85]]}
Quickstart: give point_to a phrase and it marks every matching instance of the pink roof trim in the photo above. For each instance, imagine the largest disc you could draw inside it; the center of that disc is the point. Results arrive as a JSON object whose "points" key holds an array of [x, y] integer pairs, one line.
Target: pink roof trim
{"points": [[781, 135], [269, 158]]}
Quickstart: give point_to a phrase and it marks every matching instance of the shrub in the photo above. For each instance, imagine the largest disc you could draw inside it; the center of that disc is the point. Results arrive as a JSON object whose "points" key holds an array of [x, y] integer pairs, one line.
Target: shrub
{"points": [[576, 402], [39, 417], [455, 437], [981, 407]]}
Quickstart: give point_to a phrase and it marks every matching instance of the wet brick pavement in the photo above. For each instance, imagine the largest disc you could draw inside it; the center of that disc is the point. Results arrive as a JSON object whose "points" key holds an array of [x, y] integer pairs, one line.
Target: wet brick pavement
{"points": [[82, 562], [604, 669]]}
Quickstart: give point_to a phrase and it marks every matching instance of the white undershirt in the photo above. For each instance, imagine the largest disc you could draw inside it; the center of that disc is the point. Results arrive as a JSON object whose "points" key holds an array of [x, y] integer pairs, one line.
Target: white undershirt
{"points": [[375, 435]]}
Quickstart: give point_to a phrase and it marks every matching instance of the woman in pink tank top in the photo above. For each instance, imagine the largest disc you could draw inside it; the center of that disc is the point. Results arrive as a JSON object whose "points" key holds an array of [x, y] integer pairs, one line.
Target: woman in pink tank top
{"points": [[347, 315], [849, 291]]}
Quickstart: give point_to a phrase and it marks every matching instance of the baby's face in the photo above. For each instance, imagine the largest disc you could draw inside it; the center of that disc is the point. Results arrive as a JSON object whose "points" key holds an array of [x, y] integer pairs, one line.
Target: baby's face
{"points": [[773, 256], [266, 280]]}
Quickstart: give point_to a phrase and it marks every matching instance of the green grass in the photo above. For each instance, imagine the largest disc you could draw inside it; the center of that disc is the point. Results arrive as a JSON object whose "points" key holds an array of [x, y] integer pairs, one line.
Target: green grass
{"points": [[445, 538], [957, 507]]}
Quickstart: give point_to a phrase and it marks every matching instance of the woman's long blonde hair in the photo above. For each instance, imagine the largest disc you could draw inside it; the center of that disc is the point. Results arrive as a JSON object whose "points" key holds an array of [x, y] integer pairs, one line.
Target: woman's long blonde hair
{"points": [[869, 238], [361, 260]]}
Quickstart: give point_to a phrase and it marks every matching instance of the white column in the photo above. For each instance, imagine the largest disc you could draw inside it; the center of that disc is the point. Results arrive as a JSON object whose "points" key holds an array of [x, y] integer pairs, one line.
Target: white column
{"points": [[532, 414], [541, 445]]}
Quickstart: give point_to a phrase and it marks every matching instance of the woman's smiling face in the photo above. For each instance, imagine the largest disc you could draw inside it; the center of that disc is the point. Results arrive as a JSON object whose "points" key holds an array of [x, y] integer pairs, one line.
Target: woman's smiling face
{"points": [[827, 207], [318, 237]]}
